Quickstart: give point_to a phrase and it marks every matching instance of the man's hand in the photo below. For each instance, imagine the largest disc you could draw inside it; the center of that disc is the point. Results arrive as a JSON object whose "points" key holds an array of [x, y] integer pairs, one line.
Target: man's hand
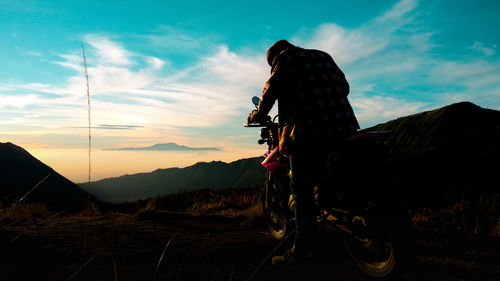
{"points": [[255, 117]]}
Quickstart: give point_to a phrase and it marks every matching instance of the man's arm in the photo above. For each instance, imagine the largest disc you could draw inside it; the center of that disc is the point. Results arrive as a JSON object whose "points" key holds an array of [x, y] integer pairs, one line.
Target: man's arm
{"points": [[270, 93]]}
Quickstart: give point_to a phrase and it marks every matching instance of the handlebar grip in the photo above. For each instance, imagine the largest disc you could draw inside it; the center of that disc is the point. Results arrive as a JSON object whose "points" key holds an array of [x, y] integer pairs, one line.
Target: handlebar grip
{"points": [[246, 125]]}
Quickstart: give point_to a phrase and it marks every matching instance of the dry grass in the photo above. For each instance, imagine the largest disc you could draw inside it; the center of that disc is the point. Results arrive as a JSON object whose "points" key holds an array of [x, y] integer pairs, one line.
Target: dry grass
{"points": [[22, 213], [227, 202], [478, 218], [140, 244]]}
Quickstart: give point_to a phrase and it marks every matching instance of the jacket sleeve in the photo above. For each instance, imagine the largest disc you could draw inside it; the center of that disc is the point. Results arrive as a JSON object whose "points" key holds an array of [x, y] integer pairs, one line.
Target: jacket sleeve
{"points": [[272, 91]]}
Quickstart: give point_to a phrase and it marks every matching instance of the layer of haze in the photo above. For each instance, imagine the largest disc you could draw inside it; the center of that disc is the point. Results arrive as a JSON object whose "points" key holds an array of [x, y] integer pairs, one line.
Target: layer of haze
{"points": [[73, 163]]}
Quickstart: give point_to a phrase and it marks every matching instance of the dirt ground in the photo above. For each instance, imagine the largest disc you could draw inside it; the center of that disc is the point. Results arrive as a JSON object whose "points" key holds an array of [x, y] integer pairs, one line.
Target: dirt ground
{"points": [[173, 246]]}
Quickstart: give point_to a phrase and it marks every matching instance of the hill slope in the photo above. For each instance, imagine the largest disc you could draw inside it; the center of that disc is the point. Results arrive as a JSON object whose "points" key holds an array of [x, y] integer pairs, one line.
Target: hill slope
{"points": [[459, 139], [20, 172], [440, 156], [464, 126], [215, 175]]}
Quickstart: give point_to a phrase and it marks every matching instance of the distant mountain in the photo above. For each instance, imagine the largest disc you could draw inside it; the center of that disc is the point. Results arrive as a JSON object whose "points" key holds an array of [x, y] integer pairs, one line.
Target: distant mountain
{"points": [[215, 175], [167, 147], [20, 172]]}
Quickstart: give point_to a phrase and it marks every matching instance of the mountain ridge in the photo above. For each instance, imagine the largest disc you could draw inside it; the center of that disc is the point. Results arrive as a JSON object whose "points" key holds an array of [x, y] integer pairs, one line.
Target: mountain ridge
{"points": [[241, 173], [20, 172]]}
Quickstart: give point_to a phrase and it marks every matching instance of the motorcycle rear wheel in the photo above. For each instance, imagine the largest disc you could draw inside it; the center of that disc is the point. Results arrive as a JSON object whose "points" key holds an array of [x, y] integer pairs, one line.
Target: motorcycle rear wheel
{"points": [[383, 241], [377, 260], [383, 245]]}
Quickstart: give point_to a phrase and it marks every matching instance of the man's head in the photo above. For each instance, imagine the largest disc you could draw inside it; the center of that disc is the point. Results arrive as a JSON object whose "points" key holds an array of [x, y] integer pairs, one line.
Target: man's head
{"points": [[276, 49]]}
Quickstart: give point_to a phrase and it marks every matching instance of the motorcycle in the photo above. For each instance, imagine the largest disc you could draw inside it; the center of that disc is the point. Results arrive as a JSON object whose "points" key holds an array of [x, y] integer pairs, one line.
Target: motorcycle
{"points": [[376, 228]]}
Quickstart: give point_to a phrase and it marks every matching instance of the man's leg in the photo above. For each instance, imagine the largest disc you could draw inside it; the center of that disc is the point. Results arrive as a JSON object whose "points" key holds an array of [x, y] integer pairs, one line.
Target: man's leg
{"points": [[303, 177], [302, 184]]}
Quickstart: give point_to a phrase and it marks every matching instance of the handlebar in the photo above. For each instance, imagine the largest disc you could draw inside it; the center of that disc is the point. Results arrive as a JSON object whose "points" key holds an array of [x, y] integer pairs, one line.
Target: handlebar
{"points": [[246, 125], [264, 124]]}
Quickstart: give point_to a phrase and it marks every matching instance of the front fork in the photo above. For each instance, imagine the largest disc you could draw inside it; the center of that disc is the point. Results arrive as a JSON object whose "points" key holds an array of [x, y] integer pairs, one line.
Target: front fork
{"points": [[280, 182]]}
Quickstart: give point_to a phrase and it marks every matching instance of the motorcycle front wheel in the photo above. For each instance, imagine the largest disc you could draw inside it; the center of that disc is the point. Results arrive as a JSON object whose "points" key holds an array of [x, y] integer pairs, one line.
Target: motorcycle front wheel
{"points": [[274, 211]]}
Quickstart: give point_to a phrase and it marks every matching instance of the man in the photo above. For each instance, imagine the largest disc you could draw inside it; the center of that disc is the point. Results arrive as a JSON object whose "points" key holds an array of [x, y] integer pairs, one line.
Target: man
{"points": [[312, 102]]}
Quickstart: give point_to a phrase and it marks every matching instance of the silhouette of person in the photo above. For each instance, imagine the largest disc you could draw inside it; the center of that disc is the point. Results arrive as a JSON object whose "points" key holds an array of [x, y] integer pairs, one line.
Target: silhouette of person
{"points": [[311, 91]]}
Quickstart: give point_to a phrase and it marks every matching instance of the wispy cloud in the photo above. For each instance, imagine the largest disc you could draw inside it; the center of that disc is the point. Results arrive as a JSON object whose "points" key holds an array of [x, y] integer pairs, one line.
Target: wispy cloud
{"points": [[108, 51], [34, 53], [347, 46], [175, 40], [18, 101], [351, 45], [398, 11], [112, 127], [156, 63], [481, 47], [477, 74], [376, 109]]}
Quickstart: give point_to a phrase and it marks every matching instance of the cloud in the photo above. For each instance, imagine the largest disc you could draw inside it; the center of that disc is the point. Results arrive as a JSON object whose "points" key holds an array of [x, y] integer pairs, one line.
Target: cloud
{"points": [[108, 51], [351, 45], [422, 41], [71, 61], [111, 127], [377, 109], [480, 47], [173, 40], [33, 53], [19, 101], [156, 63], [232, 73], [346, 46], [476, 74], [398, 11]]}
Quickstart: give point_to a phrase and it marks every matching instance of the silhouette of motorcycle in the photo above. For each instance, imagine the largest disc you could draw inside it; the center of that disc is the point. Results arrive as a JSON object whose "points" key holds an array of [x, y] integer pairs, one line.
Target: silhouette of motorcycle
{"points": [[355, 198]]}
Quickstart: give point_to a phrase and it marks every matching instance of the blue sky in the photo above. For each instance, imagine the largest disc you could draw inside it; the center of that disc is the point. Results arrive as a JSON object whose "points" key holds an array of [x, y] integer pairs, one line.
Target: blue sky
{"points": [[184, 71]]}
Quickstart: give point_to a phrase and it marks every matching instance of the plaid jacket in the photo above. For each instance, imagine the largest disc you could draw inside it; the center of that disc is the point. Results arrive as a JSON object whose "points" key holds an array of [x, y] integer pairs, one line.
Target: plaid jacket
{"points": [[312, 96]]}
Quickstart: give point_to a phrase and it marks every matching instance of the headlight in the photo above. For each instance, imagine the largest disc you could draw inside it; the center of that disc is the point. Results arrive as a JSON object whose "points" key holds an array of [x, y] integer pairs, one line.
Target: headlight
{"points": [[264, 133]]}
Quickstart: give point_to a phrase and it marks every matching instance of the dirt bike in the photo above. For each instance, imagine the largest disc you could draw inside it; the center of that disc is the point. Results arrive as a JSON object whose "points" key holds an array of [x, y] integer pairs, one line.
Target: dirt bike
{"points": [[376, 228]]}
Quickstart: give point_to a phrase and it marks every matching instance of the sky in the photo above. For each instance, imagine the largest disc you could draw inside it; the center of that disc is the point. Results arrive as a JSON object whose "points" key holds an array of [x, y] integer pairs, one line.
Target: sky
{"points": [[185, 71]]}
